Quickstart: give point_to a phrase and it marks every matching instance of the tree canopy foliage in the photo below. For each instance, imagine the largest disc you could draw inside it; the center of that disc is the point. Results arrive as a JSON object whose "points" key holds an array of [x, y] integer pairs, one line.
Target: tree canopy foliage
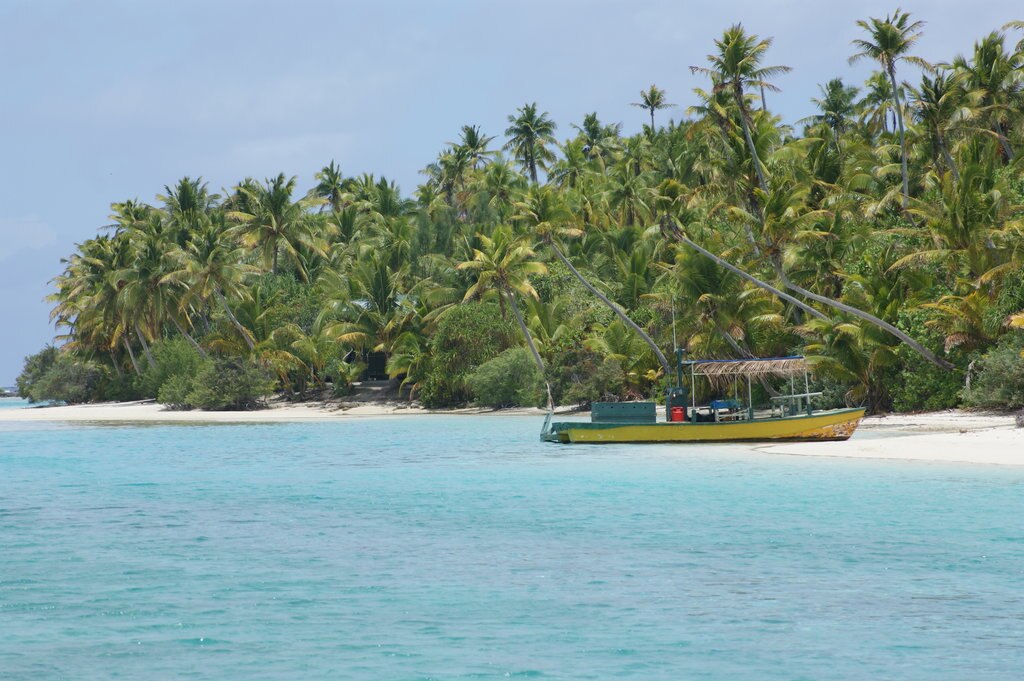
{"points": [[883, 236]]}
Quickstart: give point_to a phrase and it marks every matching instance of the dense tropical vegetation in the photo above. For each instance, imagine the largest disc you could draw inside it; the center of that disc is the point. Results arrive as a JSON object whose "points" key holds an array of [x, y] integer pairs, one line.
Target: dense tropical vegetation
{"points": [[882, 237]]}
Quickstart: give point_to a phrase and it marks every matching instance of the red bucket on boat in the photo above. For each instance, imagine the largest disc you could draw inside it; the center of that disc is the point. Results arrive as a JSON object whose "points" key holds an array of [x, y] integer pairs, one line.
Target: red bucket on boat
{"points": [[677, 414]]}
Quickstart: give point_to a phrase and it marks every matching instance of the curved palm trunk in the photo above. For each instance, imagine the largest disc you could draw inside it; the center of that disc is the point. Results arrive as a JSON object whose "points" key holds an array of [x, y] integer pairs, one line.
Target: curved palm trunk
{"points": [[145, 345], [948, 158], [1003, 142], [903, 138], [678, 235], [868, 317], [533, 348], [116, 364], [745, 123], [131, 354], [192, 341], [234, 320], [662, 360]]}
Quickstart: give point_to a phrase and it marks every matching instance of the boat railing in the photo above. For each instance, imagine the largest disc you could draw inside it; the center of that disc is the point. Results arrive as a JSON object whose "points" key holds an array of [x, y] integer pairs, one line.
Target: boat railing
{"points": [[792, 403]]}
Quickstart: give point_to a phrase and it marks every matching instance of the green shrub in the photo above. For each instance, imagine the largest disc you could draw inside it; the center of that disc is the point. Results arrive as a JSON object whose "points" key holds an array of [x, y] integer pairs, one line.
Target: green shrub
{"points": [[998, 381], [171, 357], [466, 337], [579, 375], [68, 380], [922, 386], [35, 368], [511, 379], [175, 390], [344, 375], [229, 384]]}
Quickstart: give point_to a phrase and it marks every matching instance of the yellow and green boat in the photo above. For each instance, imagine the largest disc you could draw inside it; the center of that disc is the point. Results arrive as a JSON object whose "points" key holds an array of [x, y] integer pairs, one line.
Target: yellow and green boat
{"points": [[790, 416]]}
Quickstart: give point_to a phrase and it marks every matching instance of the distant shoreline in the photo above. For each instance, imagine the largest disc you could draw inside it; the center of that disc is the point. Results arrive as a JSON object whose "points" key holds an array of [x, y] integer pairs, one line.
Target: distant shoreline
{"points": [[953, 436], [148, 411]]}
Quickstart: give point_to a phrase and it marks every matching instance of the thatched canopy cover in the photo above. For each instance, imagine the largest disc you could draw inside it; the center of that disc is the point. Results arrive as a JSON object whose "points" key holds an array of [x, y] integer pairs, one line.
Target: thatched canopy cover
{"points": [[768, 366]]}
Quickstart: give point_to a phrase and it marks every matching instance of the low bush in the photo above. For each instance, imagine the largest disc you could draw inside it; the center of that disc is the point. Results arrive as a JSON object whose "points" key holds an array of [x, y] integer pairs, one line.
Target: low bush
{"points": [[466, 337], [36, 366], [218, 384], [171, 357], [509, 380], [54, 376], [998, 380]]}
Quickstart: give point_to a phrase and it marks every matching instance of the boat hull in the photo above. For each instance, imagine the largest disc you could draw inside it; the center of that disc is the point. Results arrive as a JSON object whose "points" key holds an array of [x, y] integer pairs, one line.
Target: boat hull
{"points": [[834, 425]]}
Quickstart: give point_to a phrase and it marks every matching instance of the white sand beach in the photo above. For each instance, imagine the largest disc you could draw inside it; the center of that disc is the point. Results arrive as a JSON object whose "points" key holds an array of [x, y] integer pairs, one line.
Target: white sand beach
{"points": [[147, 411], [947, 436]]}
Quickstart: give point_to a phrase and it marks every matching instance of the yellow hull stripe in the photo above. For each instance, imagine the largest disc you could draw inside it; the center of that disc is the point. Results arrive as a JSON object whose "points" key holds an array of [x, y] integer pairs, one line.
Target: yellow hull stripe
{"points": [[826, 426]]}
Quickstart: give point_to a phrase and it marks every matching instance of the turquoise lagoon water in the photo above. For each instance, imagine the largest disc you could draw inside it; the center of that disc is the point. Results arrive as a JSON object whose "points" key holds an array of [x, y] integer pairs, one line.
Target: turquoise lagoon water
{"points": [[454, 547]]}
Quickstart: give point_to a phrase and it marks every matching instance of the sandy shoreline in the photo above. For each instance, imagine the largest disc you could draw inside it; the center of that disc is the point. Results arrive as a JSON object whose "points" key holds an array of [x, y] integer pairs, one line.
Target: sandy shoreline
{"points": [[147, 411], [948, 436]]}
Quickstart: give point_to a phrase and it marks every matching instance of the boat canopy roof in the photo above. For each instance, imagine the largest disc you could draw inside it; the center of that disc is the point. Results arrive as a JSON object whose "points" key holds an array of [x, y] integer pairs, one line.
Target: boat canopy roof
{"points": [[755, 366]]}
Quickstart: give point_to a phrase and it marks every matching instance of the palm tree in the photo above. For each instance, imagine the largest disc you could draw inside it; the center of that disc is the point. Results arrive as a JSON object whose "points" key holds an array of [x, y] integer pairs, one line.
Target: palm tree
{"points": [[330, 187], [836, 105], [652, 99], [877, 104], [529, 135], [474, 145], [211, 269], [503, 264], [889, 41], [937, 106], [549, 218], [271, 222], [736, 66], [993, 79]]}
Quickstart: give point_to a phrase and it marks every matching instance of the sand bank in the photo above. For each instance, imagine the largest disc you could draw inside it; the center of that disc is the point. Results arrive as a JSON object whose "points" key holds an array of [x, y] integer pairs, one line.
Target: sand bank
{"points": [[148, 411]]}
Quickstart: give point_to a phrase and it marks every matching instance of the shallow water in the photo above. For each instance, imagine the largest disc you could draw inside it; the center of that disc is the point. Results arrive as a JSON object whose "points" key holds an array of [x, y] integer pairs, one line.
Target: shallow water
{"points": [[12, 403], [448, 547]]}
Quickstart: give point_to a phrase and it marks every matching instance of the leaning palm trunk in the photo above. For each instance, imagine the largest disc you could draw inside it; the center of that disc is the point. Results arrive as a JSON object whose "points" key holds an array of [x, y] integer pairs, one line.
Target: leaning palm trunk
{"points": [[234, 320], [1003, 142], [192, 341], [617, 310], [680, 236], [745, 123], [145, 345], [949, 158], [533, 348], [903, 138], [116, 364], [882, 324], [131, 354], [870, 318]]}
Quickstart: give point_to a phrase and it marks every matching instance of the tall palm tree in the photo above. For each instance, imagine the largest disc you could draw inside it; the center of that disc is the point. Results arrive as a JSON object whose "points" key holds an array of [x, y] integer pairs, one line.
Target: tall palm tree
{"points": [[503, 264], [735, 67], [993, 78], [529, 135], [836, 106], [474, 145], [652, 99], [938, 107], [268, 220], [330, 187], [889, 42]]}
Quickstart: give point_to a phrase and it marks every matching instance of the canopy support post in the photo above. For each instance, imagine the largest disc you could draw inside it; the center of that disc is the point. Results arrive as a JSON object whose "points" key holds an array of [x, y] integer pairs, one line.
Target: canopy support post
{"points": [[750, 400]]}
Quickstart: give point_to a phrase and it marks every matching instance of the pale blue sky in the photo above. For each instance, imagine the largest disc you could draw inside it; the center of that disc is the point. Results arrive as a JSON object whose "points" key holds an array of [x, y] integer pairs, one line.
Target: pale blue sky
{"points": [[107, 100]]}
